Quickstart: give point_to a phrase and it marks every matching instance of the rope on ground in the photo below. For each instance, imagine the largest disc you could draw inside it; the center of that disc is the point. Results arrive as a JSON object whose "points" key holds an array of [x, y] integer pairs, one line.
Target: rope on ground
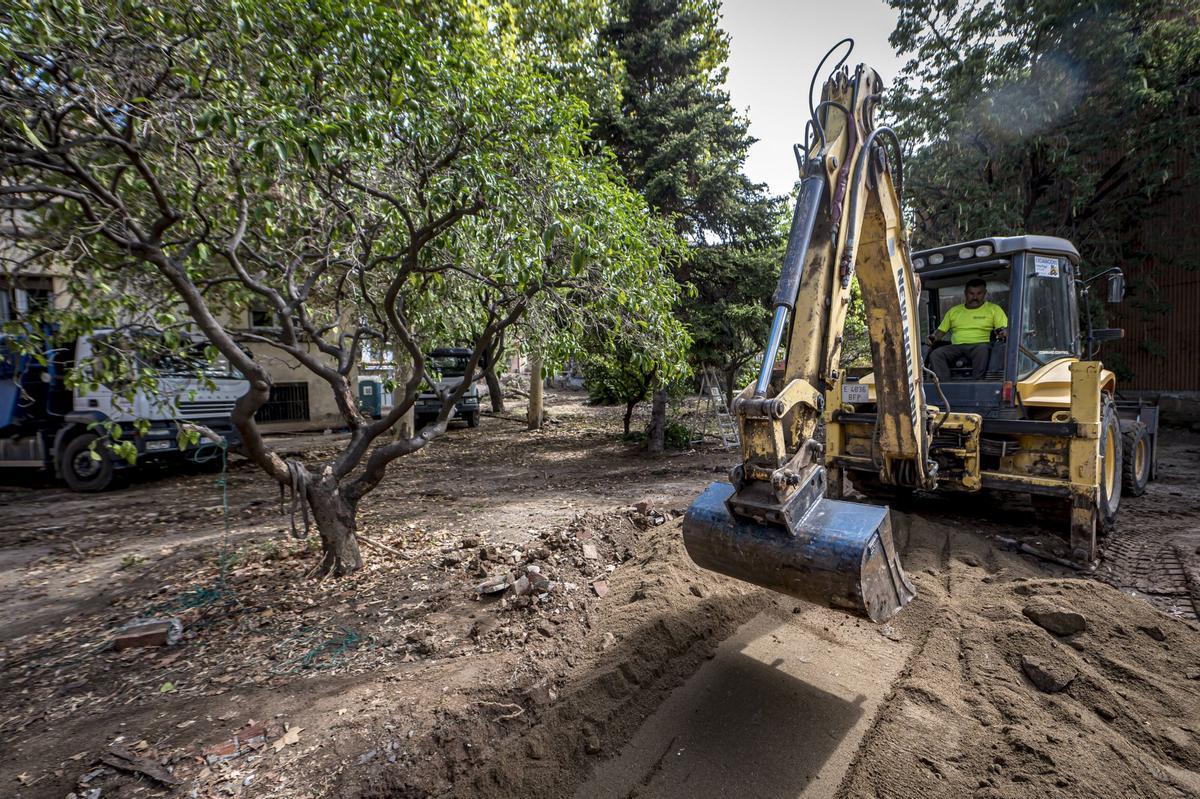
{"points": [[517, 709], [201, 596], [334, 648], [378, 545]]}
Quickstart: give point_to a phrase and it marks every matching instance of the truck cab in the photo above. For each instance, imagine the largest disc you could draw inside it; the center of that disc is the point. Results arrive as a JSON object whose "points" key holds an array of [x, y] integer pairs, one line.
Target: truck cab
{"points": [[46, 424], [447, 367]]}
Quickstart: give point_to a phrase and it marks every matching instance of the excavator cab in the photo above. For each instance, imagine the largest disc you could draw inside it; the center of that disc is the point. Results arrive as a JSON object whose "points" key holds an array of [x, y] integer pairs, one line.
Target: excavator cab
{"points": [[1034, 280]]}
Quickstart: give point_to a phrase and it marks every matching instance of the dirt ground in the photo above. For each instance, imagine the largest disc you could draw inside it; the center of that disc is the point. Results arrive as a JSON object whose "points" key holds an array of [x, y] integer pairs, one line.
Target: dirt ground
{"points": [[623, 671]]}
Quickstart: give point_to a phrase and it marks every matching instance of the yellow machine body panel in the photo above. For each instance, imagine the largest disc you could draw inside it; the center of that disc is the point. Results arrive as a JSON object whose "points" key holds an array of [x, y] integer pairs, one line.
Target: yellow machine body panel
{"points": [[1050, 385]]}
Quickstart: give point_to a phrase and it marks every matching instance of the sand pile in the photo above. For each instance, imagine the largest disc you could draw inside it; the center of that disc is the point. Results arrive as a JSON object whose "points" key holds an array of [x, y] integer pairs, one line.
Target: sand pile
{"points": [[1028, 686]]}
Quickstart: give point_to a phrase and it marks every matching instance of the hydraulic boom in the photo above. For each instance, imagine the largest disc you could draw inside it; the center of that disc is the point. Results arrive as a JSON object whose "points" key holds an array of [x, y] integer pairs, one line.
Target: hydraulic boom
{"points": [[772, 524]]}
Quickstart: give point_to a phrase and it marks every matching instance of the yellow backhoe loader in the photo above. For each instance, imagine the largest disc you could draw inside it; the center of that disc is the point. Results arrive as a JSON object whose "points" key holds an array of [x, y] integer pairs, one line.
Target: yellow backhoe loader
{"points": [[1040, 419]]}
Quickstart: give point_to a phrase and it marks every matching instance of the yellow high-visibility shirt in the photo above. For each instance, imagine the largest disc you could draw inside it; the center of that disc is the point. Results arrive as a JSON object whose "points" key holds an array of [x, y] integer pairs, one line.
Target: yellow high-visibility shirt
{"points": [[973, 325]]}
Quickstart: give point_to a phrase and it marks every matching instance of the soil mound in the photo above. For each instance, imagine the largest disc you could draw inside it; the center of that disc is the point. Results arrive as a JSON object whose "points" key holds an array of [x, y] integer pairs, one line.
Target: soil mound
{"points": [[1031, 686]]}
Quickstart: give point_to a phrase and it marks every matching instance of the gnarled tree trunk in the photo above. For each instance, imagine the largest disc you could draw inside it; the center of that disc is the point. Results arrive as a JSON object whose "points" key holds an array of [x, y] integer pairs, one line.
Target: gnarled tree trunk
{"points": [[495, 393], [731, 373], [334, 516], [629, 406], [492, 377]]}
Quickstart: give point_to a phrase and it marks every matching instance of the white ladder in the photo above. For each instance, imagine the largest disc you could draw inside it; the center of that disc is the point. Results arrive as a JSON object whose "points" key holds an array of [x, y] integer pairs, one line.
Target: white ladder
{"points": [[712, 396]]}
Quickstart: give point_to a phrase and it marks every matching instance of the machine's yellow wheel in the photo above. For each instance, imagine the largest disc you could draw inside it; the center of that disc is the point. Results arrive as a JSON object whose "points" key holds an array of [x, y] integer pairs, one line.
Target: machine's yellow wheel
{"points": [[1135, 471]]}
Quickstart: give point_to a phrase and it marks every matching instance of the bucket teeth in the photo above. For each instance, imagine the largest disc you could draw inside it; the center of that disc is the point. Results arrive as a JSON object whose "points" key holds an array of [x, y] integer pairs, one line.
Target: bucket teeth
{"points": [[837, 554]]}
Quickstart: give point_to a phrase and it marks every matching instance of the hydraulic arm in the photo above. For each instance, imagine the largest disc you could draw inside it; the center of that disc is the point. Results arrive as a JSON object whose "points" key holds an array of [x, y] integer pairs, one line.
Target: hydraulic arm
{"points": [[772, 523]]}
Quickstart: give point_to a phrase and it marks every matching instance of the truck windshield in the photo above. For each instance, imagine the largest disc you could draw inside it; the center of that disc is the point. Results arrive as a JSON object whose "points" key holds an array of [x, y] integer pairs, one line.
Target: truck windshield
{"points": [[443, 366], [1046, 330], [193, 362]]}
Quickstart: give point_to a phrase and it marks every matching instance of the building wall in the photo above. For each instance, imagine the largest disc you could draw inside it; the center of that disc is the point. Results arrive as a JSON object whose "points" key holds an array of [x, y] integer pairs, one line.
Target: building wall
{"points": [[1161, 312], [284, 371]]}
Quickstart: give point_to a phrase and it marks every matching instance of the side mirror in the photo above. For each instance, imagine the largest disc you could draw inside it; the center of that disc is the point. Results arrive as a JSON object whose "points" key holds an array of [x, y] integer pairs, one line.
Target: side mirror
{"points": [[1116, 287]]}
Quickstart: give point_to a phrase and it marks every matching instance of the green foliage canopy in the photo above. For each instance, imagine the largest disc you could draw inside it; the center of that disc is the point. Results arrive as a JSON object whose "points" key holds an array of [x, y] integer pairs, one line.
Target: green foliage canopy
{"points": [[391, 174]]}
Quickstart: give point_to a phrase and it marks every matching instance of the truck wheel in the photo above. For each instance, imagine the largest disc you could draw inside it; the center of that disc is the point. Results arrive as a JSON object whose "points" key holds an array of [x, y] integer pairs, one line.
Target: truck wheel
{"points": [[473, 419], [1135, 459], [1110, 463], [80, 470]]}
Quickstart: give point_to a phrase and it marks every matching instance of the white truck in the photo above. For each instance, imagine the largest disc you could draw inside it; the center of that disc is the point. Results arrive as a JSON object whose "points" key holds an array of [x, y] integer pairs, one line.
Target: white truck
{"points": [[45, 424]]}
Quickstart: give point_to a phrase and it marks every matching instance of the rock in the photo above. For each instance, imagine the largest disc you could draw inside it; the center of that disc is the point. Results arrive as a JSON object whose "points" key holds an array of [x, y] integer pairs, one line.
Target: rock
{"points": [[541, 694], [493, 585], [522, 587], [590, 552], [547, 629], [1055, 619], [124, 760], [970, 560], [642, 507], [696, 590], [601, 588], [608, 641], [1049, 676], [539, 584], [154, 632], [1154, 631]]}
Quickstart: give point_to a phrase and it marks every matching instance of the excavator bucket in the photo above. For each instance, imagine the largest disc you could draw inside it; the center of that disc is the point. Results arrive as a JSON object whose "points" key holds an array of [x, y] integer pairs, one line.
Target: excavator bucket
{"points": [[832, 553]]}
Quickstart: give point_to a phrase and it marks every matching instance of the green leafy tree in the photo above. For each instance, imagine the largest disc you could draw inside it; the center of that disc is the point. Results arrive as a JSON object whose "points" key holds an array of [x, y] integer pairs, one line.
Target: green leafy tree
{"points": [[369, 173], [1049, 117], [682, 145]]}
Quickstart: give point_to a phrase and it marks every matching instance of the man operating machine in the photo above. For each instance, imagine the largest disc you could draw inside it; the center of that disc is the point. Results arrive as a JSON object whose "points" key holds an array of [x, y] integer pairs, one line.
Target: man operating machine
{"points": [[971, 325]]}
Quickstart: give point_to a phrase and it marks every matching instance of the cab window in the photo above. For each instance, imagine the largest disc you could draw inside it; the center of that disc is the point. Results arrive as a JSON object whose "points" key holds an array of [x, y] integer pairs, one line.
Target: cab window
{"points": [[942, 295], [1046, 330]]}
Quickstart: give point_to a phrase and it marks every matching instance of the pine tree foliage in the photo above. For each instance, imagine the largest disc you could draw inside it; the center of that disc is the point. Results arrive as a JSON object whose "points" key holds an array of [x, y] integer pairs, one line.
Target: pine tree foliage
{"points": [[681, 143]]}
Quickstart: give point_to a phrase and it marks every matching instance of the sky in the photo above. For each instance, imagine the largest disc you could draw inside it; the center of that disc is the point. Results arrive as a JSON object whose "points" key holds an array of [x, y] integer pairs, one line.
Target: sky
{"points": [[774, 47]]}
